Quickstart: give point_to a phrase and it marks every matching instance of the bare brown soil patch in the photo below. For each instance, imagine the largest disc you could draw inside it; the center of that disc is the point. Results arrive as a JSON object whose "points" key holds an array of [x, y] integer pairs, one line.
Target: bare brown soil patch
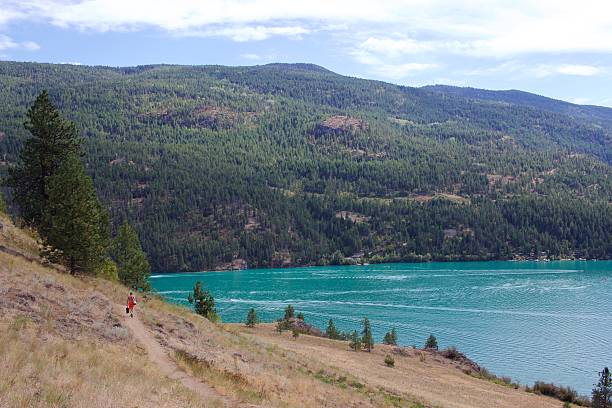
{"points": [[340, 123]]}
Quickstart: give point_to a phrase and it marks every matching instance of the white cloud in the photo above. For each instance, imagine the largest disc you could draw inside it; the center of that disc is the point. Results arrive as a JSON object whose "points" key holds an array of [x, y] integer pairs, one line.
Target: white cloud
{"points": [[545, 70], [498, 28], [399, 71], [8, 13], [394, 47], [250, 33], [260, 58], [579, 100], [251, 57], [522, 69], [179, 15], [7, 43], [390, 68], [580, 70]]}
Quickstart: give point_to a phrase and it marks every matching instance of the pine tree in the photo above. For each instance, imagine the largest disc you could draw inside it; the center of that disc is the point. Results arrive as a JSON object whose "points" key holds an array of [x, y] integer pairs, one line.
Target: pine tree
{"points": [[331, 331], [75, 226], [602, 393], [53, 140], [432, 342], [251, 320], [391, 337], [134, 268], [289, 313], [203, 302], [366, 335], [355, 342]]}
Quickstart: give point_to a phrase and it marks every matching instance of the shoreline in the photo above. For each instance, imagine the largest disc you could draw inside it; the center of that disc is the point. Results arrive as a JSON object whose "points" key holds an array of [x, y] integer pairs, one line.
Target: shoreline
{"points": [[383, 263]]}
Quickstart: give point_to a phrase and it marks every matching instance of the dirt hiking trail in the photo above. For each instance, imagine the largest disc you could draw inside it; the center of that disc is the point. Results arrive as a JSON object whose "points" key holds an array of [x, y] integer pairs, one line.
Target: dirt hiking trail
{"points": [[169, 368]]}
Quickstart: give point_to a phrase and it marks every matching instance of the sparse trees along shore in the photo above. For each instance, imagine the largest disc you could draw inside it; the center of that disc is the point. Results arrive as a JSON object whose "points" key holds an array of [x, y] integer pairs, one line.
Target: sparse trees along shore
{"points": [[601, 394]]}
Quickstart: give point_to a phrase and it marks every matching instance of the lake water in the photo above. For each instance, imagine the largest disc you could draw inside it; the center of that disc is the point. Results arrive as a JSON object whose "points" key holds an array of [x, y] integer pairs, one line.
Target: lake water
{"points": [[548, 321]]}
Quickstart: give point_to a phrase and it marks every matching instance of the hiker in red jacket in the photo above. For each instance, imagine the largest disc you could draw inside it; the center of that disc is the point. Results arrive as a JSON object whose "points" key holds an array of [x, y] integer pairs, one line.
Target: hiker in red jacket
{"points": [[131, 302]]}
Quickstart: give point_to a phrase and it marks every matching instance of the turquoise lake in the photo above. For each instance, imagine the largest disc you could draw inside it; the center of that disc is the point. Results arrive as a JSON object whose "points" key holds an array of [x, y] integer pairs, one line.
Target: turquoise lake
{"points": [[548, 321]]}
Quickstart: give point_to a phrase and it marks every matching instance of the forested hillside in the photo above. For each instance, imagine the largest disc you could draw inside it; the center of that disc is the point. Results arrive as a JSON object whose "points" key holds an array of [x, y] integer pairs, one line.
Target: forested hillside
{"points": [[280, 164], [588, 112]]}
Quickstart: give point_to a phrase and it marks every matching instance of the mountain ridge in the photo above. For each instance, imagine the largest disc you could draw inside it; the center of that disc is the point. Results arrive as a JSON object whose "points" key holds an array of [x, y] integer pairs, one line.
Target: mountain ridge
{"points": [[519, 97]]}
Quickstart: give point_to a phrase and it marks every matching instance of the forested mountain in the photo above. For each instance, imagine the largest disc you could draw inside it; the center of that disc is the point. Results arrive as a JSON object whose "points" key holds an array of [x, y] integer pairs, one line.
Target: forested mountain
{"points": [[293, 164]]}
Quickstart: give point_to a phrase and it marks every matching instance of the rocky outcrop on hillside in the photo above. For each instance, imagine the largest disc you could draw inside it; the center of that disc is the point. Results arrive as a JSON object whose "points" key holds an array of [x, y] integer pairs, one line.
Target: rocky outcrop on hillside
{"points": [[340, 124]]}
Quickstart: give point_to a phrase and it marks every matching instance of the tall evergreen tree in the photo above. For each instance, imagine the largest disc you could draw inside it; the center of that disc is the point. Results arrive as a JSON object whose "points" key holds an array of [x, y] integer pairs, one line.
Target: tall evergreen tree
{"points": [[602, 393], [132, 263], [53, 140], [203, 302], [354, 341], [331, 330], [289, 312], [366, 335], [75, 225]]}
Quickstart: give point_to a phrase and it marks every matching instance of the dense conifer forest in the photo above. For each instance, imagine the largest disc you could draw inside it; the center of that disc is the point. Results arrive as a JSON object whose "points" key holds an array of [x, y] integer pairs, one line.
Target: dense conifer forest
{"points": [[276, 165]]}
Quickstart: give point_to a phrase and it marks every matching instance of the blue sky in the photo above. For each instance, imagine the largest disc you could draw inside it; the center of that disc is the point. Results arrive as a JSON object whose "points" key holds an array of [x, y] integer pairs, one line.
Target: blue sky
{"points": [[561, 49]]}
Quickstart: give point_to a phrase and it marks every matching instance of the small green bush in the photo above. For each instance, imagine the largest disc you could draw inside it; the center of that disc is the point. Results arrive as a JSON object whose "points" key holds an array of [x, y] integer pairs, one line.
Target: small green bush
{"points": [[452, 353], [108, 270], [252, 319], [432, 342], [389, 361]]}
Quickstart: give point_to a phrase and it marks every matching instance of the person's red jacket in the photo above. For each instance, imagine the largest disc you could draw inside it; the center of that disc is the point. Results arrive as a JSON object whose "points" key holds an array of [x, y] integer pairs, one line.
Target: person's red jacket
{"points": [[131, 301]]}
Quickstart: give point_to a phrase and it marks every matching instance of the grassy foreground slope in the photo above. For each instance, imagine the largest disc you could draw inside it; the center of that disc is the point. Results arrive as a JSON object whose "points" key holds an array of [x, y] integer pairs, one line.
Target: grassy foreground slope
{"points": [[65, 343], [61, 345], [291, 164]]}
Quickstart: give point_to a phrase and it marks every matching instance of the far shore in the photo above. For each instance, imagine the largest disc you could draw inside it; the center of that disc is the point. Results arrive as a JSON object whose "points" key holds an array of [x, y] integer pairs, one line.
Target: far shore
{"points": [[535, 261]]}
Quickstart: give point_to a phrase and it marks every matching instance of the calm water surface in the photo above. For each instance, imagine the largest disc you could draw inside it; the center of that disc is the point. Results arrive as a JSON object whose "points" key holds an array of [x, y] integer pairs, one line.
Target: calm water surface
{"points": [[532, 321]]}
